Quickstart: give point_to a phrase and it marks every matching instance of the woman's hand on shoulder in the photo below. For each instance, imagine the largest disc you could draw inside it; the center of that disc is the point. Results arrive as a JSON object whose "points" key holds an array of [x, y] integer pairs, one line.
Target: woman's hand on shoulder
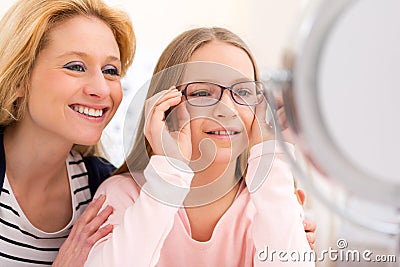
{"points": [[84, 234], [309, 225]]}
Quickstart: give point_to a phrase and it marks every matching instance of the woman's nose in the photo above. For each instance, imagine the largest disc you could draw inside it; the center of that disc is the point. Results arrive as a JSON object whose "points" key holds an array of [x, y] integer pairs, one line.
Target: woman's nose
{"points": [[97, 86]]}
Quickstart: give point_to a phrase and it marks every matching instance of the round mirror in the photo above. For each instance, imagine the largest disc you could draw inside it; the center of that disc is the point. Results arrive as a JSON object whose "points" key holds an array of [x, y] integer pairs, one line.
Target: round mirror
{"points": [[340, 95]]}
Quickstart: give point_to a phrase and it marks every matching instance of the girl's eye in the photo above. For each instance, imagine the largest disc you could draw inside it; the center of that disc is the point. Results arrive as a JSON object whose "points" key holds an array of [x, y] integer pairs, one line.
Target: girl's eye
{"points": [[75, 66], [200, 93], [243, 92], [110, 70]]}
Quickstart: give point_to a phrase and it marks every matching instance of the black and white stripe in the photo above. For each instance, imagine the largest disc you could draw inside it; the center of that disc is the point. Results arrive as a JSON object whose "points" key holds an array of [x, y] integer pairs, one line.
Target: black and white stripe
{"points": [[21, 243]]}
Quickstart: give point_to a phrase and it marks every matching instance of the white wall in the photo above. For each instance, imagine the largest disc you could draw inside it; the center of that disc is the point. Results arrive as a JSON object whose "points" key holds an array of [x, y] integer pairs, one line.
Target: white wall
{"points": [[262, 23]]}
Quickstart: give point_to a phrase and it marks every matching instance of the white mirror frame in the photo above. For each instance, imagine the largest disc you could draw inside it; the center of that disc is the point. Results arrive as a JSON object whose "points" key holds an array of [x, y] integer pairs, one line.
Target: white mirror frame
{"points": [[298, 86]]}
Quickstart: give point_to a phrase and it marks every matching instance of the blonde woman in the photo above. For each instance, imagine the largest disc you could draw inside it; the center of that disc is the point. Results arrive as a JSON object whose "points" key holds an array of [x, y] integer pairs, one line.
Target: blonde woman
{"points": [[204, 184], [60, 68]]}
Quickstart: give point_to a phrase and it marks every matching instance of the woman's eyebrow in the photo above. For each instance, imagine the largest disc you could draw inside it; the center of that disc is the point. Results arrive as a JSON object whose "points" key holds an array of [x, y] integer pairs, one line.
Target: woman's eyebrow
{"points": [[85, 55]]}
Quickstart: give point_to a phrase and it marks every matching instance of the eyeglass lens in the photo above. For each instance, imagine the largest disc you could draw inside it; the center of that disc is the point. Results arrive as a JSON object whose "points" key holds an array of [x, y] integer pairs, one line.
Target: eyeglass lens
{"points": [[207, 94]]}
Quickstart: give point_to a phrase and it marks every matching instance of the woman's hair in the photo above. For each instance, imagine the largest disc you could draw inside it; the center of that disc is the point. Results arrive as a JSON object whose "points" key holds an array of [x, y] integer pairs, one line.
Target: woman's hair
{"points": [[24, 33], [176, 54]]}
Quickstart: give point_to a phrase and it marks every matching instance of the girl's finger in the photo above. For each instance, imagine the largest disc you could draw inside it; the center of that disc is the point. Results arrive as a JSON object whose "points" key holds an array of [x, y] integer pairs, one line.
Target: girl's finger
{"points": [[282, 118], [162, 96], [155, 108], [261, 111], [182, 116], [149, 109], [155, 99], [156, 120], [167, 103]]}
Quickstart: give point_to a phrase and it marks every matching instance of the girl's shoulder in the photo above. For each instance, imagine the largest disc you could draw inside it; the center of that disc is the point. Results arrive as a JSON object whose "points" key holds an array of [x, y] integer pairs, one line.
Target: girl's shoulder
{"points": [[121, 192], [120, 185]]}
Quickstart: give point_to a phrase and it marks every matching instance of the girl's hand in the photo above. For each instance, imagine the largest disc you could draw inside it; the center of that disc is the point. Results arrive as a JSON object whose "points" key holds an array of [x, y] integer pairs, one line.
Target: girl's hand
{"points": [[260, 129], [175, 142], [282, 121], [84, 234], [286, 131]]}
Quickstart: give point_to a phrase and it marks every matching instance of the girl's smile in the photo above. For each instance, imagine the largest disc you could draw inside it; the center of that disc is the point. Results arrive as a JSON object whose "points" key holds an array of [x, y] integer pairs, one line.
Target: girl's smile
{"points": [[223, 133]]}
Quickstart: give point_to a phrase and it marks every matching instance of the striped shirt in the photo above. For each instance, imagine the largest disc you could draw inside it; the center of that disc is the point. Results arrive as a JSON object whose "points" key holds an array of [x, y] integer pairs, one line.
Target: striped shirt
{"points": [[21, 243]]}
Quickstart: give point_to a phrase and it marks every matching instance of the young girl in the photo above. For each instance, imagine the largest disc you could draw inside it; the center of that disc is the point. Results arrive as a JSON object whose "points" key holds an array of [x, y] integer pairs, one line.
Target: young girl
{"points": [[60, 68], [216, 190]]}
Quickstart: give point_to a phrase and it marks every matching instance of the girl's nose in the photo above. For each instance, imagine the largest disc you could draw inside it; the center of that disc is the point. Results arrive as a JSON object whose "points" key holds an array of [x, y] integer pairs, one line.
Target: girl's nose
{"points": [[226, 107]]}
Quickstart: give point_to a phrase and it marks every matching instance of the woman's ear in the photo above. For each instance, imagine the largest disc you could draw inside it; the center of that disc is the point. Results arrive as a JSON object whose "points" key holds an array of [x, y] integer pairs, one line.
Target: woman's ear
{"points": [[20, 92]]}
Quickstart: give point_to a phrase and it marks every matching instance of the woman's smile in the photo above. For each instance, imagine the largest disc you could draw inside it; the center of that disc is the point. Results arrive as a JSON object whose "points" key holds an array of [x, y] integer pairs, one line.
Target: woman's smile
{"points": [[90, 112]]}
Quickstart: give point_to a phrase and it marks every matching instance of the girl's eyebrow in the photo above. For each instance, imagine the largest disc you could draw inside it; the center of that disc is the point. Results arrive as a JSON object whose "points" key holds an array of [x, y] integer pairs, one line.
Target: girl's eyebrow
{"points": [[244, 79], [85, 55], [231, 82]]}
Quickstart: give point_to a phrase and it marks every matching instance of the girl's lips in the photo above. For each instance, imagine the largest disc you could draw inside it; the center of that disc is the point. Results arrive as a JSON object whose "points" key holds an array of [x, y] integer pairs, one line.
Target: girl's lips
{"points": [[223, 134]]}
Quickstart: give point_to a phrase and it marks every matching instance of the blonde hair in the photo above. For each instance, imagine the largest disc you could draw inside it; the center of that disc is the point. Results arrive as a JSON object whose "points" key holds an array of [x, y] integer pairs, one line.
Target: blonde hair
{"points": [[178, 52], [24, 33]]}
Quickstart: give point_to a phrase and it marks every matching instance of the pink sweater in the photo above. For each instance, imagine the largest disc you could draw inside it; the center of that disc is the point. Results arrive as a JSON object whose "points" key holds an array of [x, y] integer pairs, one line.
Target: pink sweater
{"points": [[253, 231]]}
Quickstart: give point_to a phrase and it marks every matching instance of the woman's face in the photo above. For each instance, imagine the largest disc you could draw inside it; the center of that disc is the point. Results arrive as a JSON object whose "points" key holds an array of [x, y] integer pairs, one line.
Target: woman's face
{"points": [[220, 132], [75, 85]]}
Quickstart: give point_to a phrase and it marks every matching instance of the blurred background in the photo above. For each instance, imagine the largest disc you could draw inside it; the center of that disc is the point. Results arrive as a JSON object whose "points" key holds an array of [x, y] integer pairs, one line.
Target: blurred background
{"points": [[265, 25]]}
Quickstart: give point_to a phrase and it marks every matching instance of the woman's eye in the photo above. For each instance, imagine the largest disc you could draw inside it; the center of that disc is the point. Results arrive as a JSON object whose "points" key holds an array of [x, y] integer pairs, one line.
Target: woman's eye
{"points": [[75, 66], [110, 70]]}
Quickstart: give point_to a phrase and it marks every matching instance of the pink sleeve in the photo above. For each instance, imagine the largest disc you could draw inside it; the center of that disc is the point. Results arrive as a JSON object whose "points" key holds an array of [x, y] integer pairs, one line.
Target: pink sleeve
{"points": [[278, 224], [142, 223]]}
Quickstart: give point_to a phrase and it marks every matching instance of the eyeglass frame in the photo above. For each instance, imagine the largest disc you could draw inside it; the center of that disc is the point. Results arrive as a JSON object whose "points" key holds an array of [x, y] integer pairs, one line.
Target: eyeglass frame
{"points": [[229, 88]]}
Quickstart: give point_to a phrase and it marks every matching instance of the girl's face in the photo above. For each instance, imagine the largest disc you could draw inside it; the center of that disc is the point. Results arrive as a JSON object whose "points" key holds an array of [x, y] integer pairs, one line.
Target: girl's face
{"points": [[220, 132], [75, 86]]}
